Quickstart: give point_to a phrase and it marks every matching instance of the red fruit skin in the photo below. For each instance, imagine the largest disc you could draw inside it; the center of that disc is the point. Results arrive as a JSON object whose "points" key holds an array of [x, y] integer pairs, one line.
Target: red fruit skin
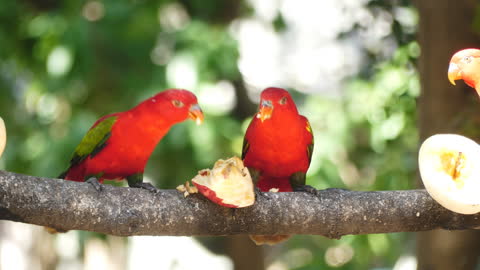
{"points": [[212, 196]]}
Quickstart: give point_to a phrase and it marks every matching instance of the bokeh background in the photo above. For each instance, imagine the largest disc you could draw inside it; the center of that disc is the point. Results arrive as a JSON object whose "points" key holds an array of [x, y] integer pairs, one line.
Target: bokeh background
{"points": [[352, 67]]}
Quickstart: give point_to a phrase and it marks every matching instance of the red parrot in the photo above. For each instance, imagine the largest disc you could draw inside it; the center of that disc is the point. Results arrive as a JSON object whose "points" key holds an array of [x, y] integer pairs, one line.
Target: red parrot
{"points": [[277, 148], [465, 65], [118, 145]]}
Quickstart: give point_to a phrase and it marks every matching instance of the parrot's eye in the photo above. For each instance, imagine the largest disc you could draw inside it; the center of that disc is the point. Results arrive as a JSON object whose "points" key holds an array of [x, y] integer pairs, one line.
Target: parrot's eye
{"points": [[177, 103], [283, 101], [467, 59]]}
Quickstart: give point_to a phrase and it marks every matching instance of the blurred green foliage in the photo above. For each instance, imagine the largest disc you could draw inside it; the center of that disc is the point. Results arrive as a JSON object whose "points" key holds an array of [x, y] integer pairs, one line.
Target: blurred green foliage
{"points": [[63, 64]]}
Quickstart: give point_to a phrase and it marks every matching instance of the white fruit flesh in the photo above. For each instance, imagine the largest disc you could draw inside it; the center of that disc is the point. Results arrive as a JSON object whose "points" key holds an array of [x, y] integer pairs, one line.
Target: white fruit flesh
{"points": [[228, 183], [3, 136], [186, 189], [450, 169]]}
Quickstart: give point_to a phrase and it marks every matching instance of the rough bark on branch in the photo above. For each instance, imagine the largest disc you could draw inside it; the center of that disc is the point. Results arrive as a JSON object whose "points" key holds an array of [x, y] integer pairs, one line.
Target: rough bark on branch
{"points": [[129, 211]]}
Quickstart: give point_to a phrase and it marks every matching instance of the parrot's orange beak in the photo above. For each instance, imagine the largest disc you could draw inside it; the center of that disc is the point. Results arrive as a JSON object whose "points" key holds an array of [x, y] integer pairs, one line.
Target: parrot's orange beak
{"points": [[454, 73], [266, 109], [195, 113]]}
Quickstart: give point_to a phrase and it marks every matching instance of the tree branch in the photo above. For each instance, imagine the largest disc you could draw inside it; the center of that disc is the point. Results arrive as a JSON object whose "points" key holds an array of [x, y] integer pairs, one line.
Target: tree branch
{"points": [[124, 211]]}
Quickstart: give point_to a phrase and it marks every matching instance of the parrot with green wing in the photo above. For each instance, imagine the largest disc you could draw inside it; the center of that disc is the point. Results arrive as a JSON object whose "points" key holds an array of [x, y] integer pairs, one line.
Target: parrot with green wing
{"points": [[119, 145], [277, 149]]}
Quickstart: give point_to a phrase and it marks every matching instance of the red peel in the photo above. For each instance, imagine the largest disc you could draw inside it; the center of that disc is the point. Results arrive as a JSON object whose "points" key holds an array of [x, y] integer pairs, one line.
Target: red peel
{"points": [[228, 184], [211, 195]]}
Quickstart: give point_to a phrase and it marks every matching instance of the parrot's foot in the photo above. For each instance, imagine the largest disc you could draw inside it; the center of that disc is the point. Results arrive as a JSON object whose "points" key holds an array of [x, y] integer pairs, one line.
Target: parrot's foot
{"points": [[94, 182], [259, 193], [146, 186], [306, 188]]}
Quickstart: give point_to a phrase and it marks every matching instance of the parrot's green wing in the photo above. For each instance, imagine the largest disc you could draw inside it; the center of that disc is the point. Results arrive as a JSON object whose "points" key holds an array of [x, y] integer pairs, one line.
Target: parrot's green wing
{"points": [[95, 139]]}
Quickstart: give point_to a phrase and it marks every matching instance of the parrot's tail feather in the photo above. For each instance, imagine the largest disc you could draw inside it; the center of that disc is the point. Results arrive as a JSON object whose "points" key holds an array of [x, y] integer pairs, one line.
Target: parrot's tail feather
{"points": [[74, 173], [269, 239], [62, 176]]}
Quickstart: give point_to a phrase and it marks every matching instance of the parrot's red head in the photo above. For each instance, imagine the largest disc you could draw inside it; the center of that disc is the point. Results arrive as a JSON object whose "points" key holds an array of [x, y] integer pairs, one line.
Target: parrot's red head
{"points": [[275, 100], [178, 104], [465, 65]]}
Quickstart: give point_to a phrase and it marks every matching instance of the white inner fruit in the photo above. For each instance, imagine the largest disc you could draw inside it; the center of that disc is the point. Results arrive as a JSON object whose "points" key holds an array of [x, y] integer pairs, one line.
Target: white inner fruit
{"points": [[449, 166], [230, 181]]}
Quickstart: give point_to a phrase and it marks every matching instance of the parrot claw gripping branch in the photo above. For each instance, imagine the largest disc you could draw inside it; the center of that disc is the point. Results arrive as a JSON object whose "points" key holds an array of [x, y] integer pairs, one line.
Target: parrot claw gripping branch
{"points": [[95, 183], [306, 188]]}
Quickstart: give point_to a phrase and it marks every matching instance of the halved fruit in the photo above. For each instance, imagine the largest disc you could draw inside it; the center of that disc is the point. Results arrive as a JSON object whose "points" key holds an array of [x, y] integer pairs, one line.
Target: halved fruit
{"points": [[450, 169], [228, 184]]}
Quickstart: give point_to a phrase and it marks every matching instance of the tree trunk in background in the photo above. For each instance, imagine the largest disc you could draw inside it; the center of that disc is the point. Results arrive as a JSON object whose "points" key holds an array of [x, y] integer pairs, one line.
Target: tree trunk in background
{"points": [[244, 253], [446, 27]]}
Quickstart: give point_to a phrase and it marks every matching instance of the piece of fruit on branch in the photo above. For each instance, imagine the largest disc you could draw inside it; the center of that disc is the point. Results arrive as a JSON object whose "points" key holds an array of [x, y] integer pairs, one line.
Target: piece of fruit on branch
{"points": [[187, 189], [228, 184], [449, 169]]}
